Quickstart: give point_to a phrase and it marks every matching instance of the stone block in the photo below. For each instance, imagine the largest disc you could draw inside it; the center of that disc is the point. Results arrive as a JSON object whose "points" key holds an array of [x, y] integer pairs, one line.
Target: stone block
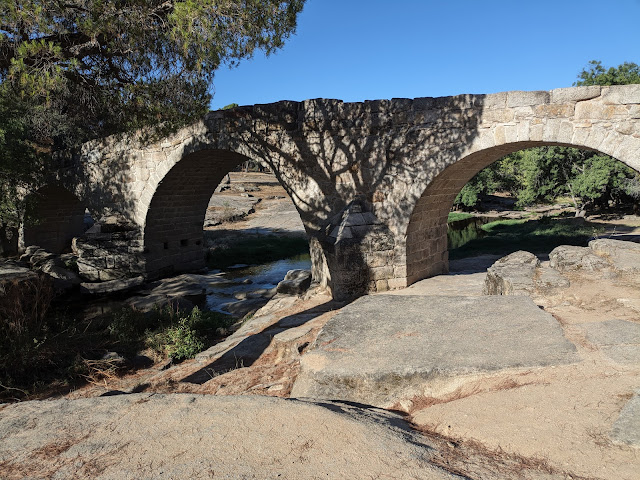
{"points": [[494, 101], [113, 286], [626, 429], [296, 282], [112, 274], [381, 286], [380, 346], [523, 99], [397, 283], [378, 259], [575, 94], [567, 258], [381, 273], [621, 94], [512, 275], [624, 256]]}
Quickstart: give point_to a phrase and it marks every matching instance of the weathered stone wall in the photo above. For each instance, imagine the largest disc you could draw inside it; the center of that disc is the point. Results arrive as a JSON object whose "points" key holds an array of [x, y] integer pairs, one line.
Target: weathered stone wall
{"points": [[373, 181], [60, 217], [606, 119]]}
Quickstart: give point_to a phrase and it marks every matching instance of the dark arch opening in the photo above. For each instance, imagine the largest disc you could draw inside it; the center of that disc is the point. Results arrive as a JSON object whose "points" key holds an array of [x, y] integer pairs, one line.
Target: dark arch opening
{"points": [[426, 244], [54, 217], [173, 236]]}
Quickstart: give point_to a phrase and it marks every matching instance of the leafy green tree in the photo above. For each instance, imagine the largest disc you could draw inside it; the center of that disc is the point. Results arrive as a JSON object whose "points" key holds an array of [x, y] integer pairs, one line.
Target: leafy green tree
{"points": [[542, 174], [596, 74], [107, 66]]}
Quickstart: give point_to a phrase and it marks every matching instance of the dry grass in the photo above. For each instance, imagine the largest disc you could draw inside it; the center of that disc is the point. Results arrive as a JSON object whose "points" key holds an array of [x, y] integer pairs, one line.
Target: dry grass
{"points": [[472, 459], [23, 305], [99, 372], [42, 462], [483, 385]]}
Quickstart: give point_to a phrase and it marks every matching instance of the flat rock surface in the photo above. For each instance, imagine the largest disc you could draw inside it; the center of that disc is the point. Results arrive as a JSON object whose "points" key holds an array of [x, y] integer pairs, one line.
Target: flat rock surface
{"points": [[617, 339], [277, 216], [381, 348], [626, 429], [147, 436], [14, 270]]}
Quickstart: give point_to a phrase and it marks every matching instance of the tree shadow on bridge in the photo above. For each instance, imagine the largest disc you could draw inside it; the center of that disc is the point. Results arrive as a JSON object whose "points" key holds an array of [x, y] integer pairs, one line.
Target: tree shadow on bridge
{"points": [[250, 348], [374, 158]]}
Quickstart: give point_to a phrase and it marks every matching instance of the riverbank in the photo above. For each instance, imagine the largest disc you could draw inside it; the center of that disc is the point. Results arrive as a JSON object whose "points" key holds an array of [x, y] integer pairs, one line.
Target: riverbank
{"points": [[571, 418]]}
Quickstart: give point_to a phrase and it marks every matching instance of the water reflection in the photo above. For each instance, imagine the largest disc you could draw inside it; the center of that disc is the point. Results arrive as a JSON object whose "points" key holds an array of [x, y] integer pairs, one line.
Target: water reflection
{"points": [[463, 231]]}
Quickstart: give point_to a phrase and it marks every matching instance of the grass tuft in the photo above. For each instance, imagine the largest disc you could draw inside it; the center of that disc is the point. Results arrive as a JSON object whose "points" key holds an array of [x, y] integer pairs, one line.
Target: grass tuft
{"points": [[457, 216]]}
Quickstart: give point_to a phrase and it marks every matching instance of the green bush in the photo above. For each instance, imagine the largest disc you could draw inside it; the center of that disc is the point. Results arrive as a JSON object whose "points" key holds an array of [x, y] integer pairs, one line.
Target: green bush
{"points": [[127, 325], [181, 335], [183, 341]]}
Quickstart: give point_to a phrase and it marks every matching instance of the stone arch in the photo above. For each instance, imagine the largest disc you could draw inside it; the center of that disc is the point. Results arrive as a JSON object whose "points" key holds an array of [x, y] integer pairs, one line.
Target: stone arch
{"points": [[59, 217], [173, 227], [426, 233]]}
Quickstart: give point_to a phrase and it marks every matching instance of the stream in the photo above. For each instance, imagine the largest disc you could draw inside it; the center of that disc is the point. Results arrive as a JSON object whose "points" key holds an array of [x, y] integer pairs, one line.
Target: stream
{"points": [[461, 232], [241, 287], [250, 282]]}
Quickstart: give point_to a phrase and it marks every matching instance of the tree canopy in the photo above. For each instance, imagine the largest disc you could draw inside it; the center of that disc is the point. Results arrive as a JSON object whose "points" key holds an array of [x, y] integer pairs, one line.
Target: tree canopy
{"points": [[543, 174], [75, 70], [97, 67], [596, 74]]}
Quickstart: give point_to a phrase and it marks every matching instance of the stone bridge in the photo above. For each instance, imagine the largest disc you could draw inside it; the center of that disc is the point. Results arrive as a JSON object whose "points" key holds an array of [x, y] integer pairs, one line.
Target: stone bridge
{"points": [[373, 181]]}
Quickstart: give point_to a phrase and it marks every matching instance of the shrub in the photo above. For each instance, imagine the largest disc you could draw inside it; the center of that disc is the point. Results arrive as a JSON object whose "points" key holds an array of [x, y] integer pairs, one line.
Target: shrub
{"points": [[23, 306], [183, 341], [182, 335], [127, 324], [24, 324]]}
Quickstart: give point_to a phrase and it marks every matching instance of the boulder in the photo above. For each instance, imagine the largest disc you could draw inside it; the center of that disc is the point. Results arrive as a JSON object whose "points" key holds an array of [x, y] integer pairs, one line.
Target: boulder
{"points": [[624, 256], [570, 258], [148, 303], [512, 275], [63, 279], [626, 429], [296, 282], [245, 307], [381, 349], [42, 258], [10, 268], [185, 290], [549, 278], [31, 249], [143, 435], [112, 286]]}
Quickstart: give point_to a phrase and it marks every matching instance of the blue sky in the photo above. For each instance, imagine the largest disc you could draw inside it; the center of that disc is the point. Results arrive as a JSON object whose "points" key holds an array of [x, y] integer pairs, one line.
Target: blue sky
{"points": [[357, 49]]}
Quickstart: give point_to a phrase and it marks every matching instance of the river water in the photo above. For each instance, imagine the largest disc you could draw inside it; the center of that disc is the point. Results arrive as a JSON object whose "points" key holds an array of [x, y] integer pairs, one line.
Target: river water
{"points": [[255, 281], [463, 231], [250, 282]]}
